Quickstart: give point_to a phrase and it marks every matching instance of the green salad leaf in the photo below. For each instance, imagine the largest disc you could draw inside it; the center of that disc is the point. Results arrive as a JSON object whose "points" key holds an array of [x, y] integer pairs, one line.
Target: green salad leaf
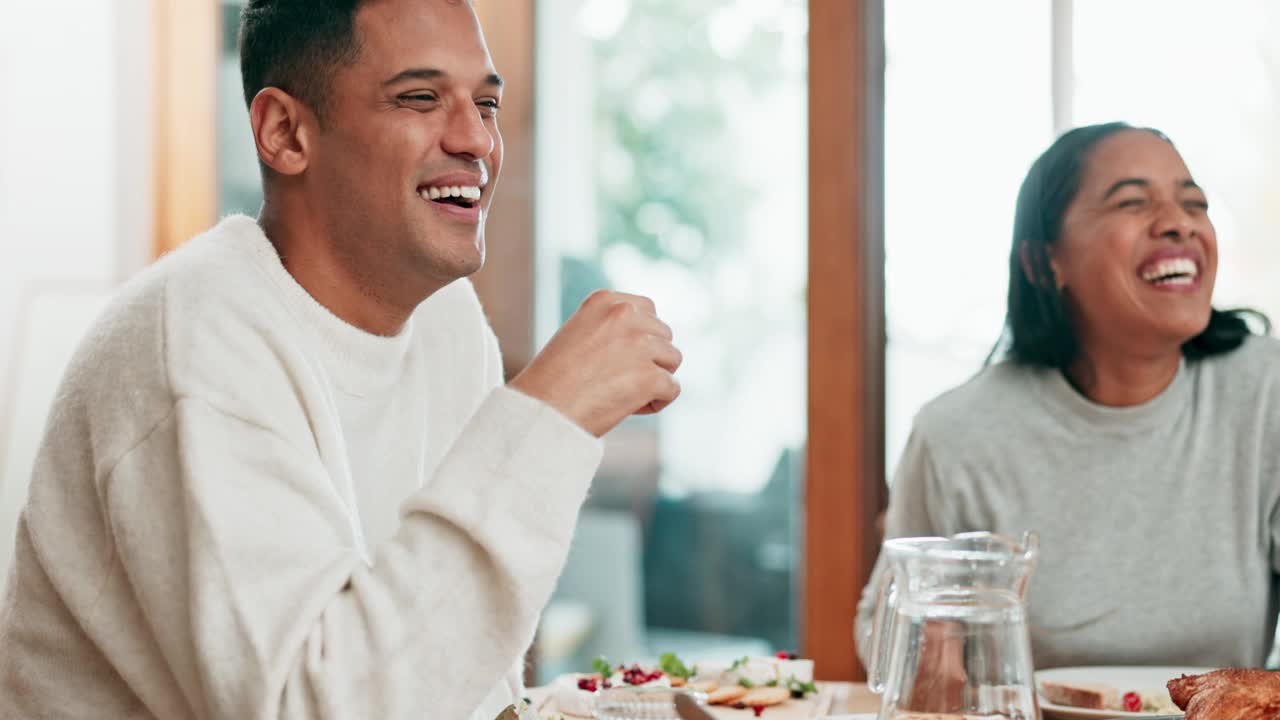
{"points": [[602, 666], [675, 667]]}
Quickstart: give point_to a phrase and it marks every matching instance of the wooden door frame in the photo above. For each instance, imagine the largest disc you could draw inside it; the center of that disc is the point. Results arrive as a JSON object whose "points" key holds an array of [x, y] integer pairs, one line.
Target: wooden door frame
{"points": [[185, 134], [845, 474]]}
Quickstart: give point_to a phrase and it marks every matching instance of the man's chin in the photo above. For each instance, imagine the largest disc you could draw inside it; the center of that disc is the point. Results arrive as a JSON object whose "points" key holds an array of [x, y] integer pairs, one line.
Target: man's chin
{"points": [[469, 269], [444, 269], [470, 260], [448, 251]]}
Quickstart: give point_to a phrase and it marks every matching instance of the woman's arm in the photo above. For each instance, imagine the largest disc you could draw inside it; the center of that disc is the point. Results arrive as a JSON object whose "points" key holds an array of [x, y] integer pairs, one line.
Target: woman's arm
{"points": [[910, 515]]}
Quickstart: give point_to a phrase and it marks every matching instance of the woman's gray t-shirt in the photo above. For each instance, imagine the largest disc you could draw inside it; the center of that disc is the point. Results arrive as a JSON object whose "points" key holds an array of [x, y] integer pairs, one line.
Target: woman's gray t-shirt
{"points": [[1159, 524]]}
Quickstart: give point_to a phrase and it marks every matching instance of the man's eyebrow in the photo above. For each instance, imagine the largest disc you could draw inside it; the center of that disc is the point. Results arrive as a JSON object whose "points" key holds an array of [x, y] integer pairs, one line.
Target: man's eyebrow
{"points": [[415, 74], [425, 73], [1192, 184]]}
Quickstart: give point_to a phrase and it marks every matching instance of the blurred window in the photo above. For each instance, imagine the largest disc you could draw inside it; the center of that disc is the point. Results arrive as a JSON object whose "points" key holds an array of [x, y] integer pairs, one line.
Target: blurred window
{"points": [[672, 162], [968, 106]]}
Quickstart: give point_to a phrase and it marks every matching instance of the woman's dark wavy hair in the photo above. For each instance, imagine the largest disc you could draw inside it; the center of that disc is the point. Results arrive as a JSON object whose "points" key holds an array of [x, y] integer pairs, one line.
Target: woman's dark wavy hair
{"points": [[1038, 329]]}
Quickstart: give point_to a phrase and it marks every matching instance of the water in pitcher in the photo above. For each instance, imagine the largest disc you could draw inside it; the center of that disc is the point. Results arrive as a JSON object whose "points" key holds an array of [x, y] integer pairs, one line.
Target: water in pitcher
{"points": [[961, 654], [949, 634]]}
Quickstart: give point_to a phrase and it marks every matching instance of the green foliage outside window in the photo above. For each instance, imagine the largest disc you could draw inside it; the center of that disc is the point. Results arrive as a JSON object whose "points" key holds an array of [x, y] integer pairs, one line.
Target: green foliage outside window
{"points": [[664, 155]]}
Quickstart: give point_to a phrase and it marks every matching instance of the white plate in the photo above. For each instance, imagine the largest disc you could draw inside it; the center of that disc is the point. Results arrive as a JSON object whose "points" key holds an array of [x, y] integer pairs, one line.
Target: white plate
{"points": [[1124, 679]]}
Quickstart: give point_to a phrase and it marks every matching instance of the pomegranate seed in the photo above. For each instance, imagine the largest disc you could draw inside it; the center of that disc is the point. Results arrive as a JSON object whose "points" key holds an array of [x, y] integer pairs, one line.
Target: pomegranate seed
{"points": [[758, 710]]}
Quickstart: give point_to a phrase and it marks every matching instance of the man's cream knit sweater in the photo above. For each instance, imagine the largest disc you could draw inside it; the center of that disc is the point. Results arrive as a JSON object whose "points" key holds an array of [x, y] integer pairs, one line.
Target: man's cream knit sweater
{"points": [[246, 508]]}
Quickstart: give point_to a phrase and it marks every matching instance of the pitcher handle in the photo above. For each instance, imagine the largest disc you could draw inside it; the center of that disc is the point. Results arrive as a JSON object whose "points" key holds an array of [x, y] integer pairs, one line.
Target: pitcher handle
{"points": [[878, 646]]}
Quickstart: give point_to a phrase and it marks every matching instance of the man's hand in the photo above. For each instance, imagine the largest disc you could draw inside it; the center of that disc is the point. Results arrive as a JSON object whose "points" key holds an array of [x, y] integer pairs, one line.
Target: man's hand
{"points": [[612, 359]]}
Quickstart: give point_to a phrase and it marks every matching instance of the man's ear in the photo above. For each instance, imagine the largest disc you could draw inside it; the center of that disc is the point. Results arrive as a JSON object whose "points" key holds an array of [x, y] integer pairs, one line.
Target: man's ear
{"points": [[282, 127]]}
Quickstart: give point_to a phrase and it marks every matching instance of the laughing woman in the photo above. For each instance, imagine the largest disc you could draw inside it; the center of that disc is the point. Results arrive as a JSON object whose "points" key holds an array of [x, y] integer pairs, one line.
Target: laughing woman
{"points": [[1133, 425]]}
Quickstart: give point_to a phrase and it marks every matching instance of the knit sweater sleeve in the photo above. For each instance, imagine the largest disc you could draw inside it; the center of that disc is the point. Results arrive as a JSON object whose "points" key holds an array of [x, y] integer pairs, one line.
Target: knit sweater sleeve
{"points": [[233, 542]]}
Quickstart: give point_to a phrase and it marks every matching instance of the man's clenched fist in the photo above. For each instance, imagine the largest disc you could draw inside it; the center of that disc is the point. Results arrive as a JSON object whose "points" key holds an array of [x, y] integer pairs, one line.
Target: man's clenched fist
{"points": [[612, 359]]}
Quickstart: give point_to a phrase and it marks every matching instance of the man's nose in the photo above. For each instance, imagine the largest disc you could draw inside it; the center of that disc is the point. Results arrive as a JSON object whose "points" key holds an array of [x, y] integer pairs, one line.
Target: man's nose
{"points": [[467, 135]]}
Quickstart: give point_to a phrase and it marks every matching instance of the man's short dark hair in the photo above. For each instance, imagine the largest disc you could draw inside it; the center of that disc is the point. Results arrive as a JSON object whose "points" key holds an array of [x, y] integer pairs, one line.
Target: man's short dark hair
{"points": [[297, 46]]}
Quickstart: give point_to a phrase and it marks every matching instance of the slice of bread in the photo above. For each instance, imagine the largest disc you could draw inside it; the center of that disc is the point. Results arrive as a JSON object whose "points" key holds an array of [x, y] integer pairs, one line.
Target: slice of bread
{"points": [[706, 686], [725, 695], [1095, 696], [765, 696]]}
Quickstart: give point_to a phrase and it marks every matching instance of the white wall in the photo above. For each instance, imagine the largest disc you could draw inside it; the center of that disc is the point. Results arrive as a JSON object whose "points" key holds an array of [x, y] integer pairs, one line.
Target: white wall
{"points": [[75, 217]]}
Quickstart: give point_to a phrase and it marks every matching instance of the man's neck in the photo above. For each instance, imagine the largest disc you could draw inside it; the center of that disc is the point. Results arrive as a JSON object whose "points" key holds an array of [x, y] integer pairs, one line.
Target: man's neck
{"points": [[316, 263], [1123, 379]]}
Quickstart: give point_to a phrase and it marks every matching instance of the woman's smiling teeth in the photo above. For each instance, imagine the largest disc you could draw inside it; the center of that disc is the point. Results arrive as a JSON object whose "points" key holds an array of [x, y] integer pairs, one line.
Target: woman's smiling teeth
{"points": [[1171, 271], [458, 194]]}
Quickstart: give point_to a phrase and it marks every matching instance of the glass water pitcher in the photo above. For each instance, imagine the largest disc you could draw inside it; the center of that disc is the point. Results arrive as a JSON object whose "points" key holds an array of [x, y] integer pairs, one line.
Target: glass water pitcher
{"points": [[949, 636]]}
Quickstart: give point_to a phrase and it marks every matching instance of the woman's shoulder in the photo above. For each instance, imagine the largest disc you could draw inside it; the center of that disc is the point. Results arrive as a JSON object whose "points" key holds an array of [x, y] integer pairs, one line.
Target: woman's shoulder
{"points": [[1256, 349], [988, 402], [1255, 364]]}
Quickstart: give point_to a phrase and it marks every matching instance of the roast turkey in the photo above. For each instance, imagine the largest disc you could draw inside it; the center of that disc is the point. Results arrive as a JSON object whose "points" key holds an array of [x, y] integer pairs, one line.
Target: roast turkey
{"points": [[1231, 694]]}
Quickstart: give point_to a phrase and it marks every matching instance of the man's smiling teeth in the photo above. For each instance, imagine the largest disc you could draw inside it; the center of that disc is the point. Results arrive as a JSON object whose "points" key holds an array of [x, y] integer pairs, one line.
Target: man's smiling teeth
{"points": [[466, 192], [1172, 271]]}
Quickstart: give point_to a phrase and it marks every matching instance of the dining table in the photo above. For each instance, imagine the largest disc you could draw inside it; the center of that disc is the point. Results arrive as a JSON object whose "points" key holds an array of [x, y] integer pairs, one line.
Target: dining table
{"points": [[848, 698], [852, 698]]}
